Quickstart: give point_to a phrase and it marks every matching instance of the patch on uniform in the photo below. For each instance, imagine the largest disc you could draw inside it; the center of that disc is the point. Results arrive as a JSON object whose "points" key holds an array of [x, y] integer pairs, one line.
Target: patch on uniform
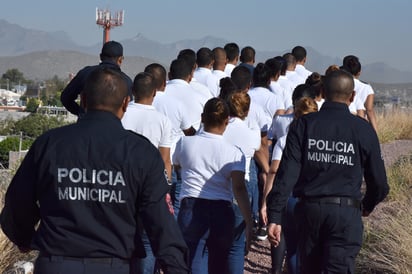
{"points": [[169, 203]]}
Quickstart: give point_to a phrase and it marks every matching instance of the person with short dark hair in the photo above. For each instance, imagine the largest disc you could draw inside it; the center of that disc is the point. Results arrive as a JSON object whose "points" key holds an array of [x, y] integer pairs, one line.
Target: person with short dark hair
{"points": [[219, 65], [247, 58], [232, 53], [112, 57], [363, 91], [201, 89], [96, 180], [300, 54], [205, 59], [326, 157], [291, 73], [275, 67]]}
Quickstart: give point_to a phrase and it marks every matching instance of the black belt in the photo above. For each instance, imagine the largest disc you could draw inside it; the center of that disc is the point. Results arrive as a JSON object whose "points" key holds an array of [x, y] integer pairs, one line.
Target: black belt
{"points": [[102, 260], [342, 201]]}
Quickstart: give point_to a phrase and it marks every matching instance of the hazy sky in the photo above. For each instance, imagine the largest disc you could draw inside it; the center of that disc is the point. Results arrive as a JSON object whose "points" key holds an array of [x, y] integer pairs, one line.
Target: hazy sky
{"points": [[374, 30]]}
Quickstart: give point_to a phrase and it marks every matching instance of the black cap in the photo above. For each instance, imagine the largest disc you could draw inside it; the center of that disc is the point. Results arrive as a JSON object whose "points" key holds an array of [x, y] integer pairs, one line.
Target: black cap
{"points": [[112, 49]]}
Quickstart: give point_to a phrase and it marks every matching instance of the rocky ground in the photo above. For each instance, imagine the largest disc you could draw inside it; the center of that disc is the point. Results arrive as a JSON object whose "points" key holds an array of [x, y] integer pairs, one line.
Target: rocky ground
{"points": [[258, 260]]}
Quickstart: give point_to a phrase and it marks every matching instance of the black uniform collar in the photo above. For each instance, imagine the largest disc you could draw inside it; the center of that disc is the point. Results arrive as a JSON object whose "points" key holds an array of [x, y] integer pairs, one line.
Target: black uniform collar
{"points": [[328, 105], [101, 115], [110, 63]]}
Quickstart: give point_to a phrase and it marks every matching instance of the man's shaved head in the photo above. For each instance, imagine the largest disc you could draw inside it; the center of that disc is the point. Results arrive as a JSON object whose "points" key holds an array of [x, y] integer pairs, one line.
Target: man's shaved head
{"points": [[338, 86]]}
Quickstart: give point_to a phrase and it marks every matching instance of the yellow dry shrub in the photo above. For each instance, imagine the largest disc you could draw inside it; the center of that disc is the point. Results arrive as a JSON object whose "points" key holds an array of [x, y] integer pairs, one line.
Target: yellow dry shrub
{"points": [[394, 125]]}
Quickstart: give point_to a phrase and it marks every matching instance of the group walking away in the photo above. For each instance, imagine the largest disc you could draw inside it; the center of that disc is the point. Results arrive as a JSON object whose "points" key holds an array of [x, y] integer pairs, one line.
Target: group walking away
{"points": [[180, 169]]}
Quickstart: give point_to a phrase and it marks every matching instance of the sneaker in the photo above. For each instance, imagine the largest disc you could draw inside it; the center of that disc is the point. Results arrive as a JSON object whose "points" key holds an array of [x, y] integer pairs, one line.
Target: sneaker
{"points": [[262, 234]]}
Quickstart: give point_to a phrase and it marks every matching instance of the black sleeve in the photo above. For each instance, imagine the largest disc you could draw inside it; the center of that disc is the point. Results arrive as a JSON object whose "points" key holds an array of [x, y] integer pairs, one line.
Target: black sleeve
{"points": [[72, 91], [157, 217], [21, 212], [374, 173], [286, 177]]}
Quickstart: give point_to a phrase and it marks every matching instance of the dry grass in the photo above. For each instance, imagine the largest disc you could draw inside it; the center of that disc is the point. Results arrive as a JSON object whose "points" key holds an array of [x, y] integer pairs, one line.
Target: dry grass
{"points": [[394, 125], [387, 244], [9, 252]]}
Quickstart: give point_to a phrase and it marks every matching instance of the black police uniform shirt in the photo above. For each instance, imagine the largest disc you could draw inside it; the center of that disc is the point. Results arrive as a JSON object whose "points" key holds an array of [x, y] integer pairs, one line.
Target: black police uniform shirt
{"points": [[75, 87], [87, 182], [327, 154]]}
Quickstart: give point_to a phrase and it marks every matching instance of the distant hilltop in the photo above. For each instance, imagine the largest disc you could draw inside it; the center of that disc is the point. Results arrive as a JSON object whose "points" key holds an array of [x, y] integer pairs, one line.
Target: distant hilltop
{"points": [[41, 55]]}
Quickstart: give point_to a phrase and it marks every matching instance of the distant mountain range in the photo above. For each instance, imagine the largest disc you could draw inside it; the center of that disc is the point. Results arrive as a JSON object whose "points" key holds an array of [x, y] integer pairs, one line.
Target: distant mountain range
{"points": [[41, 55]]}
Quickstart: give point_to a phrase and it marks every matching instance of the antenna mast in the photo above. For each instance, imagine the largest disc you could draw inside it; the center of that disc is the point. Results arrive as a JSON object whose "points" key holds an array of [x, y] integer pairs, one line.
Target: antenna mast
{"points": [[105, 19]]}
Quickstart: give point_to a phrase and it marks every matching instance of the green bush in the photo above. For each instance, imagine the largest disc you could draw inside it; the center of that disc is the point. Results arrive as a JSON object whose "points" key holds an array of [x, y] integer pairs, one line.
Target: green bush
{"points": [[11, 144]]}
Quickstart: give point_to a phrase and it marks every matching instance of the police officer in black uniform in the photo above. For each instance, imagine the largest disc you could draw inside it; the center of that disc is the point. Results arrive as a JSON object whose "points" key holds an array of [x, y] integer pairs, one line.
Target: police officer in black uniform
{"points": [[88, 183], [326, 156], [111, 57]]}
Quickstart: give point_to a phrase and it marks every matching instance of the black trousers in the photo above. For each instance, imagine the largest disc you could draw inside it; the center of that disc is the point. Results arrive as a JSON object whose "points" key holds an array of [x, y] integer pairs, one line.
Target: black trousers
{"points": [[329, 237], [67, 265]]}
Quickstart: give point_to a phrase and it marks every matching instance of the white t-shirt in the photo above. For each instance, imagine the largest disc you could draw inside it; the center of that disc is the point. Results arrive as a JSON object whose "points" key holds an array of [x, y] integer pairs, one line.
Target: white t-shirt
{"points": [[269, 101], [278, 148], [280, 125], [302, 71], [202, 91], [207, 78], [295, 78], [257, 118], [147, 121], [190, 99], [362, 90], [289, 88], [206, 162], [239, 134], [276, 88], [219, 76], [228, 69]]}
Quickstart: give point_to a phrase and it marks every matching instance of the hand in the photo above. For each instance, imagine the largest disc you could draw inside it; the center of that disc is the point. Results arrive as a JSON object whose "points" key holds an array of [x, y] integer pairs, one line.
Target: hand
{"points": [[274, 231], [263, 215], [365, 213], [24, 249]]}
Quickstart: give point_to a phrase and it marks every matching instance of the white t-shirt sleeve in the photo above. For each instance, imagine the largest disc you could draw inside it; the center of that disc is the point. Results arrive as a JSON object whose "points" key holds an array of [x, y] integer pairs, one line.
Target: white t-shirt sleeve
{"points": [[278, 148], [166, 140], [239, 163]]}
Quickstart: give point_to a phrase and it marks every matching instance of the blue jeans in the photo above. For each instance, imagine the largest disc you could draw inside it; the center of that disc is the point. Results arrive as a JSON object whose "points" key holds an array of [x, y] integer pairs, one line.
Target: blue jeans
{"points": [[253, 190], [144, 265], [291, 234], [175, 190], [237, 251], [211, 221]]}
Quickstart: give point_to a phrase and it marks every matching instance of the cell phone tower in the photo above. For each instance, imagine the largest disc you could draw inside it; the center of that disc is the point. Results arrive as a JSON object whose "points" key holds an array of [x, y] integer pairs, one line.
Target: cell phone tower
{"points": [[105, 19]]}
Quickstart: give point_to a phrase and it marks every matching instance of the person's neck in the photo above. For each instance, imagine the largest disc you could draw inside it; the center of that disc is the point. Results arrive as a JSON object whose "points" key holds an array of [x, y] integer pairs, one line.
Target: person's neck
{"points": [[218, 130], [145, 101]]}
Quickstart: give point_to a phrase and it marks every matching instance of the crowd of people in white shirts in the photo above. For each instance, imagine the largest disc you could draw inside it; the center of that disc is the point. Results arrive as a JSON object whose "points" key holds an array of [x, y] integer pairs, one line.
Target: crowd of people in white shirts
{"points": [[214, 115]]}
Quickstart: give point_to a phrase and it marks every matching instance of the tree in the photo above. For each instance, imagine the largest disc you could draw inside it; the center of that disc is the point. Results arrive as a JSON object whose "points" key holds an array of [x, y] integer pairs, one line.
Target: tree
{"points": [[36, 124], [11, 144], [14, 76], [32, 105]]}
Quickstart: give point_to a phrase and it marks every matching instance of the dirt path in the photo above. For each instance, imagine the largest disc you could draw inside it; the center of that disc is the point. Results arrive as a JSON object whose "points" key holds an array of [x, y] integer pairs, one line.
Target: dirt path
{"points": [[258, 259]]}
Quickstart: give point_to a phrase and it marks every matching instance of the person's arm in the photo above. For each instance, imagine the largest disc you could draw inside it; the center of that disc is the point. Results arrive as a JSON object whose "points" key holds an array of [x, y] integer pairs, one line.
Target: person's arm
{"points": [[286, 177], [268, 187], [165, 153], [374, 173], [242, 198], [21, 212], [159, 223], [370, 111], [72, 91]]}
